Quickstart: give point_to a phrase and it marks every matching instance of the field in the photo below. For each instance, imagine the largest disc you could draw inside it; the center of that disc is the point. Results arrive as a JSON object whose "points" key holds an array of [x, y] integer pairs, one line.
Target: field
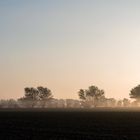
{"points": [[96, 124]]}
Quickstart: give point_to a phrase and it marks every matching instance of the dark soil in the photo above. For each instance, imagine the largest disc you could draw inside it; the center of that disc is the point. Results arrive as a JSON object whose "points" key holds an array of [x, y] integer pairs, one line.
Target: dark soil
{"points": [[69, 125]]}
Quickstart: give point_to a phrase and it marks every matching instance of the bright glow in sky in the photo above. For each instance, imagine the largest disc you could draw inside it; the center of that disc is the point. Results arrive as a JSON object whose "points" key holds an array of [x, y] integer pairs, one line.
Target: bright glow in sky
{"points": [[69, 44]]}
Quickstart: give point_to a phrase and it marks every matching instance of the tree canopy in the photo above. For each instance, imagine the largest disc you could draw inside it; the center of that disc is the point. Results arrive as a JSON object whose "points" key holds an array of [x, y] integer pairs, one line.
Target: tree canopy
{"points": [[91, 95], [32, 95], [135, 93]]}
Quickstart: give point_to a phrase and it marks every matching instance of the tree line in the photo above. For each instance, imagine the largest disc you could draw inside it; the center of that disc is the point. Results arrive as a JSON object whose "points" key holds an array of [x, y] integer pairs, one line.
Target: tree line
{"points": [[42, 97]]}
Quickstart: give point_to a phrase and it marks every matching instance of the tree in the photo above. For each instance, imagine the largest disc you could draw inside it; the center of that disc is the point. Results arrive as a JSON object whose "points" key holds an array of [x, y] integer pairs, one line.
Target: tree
{"points": [[31, 93], [102, 102], [126, 102], [119, 103], [30, 97], [82, 94], [12, 103], [34, 95], [3, 103], [135, 93], [71, 103], [44, 95], [110, 102], [91, 96]]}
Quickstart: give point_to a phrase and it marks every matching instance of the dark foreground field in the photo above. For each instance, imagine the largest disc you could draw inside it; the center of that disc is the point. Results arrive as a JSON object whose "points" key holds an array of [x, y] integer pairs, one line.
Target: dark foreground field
{"points": [[70, 125]]}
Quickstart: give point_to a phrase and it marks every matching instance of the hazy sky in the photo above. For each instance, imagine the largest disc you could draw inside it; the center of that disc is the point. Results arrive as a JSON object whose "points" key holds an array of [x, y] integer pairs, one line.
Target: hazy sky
{"points": [[69, 44]]}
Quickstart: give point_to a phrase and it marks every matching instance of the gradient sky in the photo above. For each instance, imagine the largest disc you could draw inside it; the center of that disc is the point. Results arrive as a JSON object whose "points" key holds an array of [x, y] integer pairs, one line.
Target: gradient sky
{"points": [[66, 45]]}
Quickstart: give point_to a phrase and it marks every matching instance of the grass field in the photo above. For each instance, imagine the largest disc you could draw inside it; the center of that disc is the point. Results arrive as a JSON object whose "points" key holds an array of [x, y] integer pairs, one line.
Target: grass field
{"points": [[93, 124]]}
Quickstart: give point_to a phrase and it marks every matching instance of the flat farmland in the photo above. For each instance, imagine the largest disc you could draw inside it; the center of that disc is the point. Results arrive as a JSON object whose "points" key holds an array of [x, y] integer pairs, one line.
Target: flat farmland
{"points": [[53, 124]]}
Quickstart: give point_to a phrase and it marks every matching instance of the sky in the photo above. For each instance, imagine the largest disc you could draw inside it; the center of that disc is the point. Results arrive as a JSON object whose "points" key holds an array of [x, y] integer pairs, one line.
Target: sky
{"points": [[67, 45]]}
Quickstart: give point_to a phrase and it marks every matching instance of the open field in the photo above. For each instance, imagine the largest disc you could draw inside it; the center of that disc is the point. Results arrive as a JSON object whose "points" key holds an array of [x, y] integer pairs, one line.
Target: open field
{"points": [[97, 124]]}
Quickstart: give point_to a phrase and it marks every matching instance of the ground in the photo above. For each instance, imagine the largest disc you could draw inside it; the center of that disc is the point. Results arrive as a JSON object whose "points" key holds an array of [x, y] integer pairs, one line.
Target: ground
{"points": [[97, 124]]}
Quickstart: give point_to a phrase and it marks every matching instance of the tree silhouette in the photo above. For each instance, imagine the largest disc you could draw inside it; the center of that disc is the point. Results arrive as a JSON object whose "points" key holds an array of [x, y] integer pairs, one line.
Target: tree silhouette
{"points": [[82, 94], [34, 95], [30, 97], [44, 95], [135, 93], [31, 93], [91, 96]]}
